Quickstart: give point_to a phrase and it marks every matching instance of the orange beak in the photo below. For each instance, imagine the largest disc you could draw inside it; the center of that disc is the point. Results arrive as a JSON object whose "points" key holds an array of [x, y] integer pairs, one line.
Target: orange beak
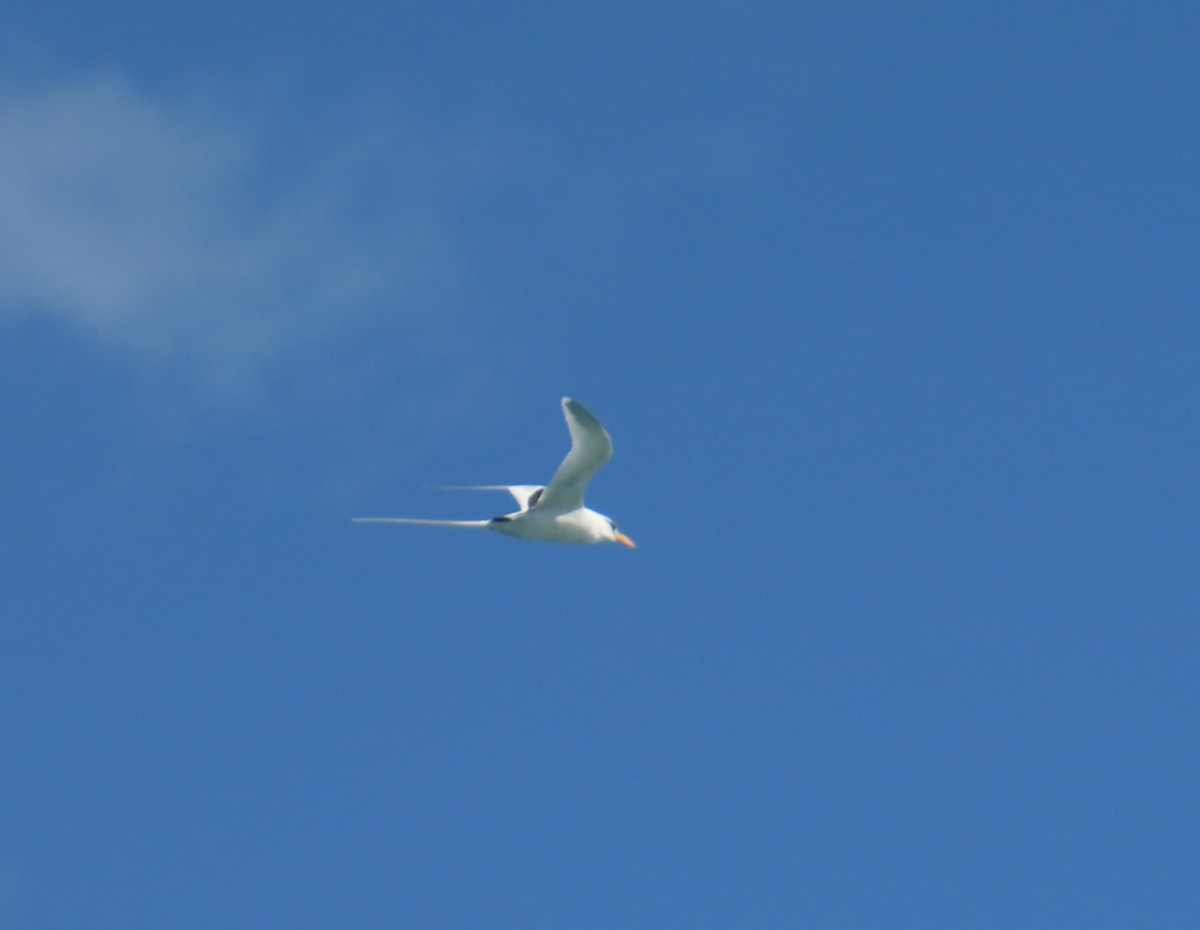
{"points": [[624, 540]]}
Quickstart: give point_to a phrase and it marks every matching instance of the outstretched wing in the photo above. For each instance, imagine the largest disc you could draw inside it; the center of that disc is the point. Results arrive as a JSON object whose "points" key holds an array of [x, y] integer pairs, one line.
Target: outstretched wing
{"points": [[420, 522], [526, 494], [591, 447]]}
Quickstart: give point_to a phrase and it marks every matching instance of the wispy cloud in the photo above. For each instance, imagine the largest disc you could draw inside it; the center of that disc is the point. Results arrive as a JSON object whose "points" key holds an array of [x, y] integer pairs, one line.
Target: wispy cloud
{"points": [[175, 231]]}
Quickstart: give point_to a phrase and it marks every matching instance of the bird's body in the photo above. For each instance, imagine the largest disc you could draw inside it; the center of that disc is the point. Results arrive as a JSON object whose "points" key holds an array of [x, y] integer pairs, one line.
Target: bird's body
{"points": [[554, 512], [578, 526]]}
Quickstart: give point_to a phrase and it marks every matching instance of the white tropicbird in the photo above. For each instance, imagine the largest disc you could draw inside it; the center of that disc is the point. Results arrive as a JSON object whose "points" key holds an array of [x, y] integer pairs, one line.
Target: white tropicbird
{"points": [[554, 512]]}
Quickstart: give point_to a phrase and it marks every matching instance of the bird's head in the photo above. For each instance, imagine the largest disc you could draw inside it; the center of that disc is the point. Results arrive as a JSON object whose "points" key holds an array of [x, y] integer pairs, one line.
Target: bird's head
{"points": [[617, 536]]}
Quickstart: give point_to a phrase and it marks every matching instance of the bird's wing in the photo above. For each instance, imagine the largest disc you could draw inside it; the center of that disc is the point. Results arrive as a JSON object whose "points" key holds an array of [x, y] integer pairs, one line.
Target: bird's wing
{"points": [[526, 494], [421, 522], [591, 447]]}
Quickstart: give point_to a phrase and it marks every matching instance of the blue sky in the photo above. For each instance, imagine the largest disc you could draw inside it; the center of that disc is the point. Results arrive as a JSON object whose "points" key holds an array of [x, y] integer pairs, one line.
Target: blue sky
{"points": [[892, 316]]}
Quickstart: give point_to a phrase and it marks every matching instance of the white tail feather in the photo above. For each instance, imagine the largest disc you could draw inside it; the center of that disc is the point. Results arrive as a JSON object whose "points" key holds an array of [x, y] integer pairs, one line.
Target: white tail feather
{"points": [[420, 522], [472, 487], [522, 493]]}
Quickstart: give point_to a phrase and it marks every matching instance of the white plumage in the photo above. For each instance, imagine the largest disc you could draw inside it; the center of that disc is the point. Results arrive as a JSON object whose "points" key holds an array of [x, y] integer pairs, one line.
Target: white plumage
{"points": [[553, 512]]}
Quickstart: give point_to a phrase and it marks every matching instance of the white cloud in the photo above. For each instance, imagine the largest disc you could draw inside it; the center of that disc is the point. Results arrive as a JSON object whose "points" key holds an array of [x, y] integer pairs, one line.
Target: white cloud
{"points": [[173, 231]]}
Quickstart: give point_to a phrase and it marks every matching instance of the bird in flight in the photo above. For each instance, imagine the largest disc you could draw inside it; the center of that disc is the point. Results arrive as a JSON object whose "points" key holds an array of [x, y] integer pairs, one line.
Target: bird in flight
{"points": [[554, 512]]}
